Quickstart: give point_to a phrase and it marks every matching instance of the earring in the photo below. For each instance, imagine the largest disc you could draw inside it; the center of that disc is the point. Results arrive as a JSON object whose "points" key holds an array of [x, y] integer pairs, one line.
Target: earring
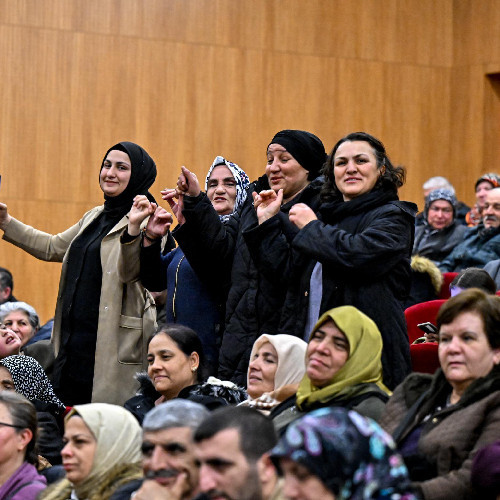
{"points": [[193, 369]]}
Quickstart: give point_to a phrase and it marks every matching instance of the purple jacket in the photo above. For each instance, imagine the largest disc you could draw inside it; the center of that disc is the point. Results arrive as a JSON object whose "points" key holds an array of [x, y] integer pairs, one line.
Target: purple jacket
{"points": [[24, 484]]}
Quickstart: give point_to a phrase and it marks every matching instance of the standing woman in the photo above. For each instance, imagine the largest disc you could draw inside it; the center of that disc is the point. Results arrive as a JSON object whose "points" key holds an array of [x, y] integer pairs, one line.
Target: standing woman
{"points": [[354, 251], [101, 325], [219, 253], [192, 302]]}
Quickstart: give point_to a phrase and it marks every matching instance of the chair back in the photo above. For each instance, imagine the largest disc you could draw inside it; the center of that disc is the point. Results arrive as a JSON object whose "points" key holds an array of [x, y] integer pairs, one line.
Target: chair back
{"points": [[445, 287], [420, 313]]}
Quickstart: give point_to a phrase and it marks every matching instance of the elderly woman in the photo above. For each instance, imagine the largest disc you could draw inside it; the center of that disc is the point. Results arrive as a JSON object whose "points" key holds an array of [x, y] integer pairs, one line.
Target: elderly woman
{"points": [[439, 422], [176, 368], [219, 253], [102, 453], [336, 454], [101, 324], [354, 250], [21, 318], [343, 368], [190, 301], [441, 232], [10, 342], [24, 375], [19, 479], [275, 370]]}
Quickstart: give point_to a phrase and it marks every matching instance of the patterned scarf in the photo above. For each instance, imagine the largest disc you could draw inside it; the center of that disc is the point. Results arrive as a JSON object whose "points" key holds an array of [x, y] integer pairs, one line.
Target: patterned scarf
{"points": [[242, 183]]}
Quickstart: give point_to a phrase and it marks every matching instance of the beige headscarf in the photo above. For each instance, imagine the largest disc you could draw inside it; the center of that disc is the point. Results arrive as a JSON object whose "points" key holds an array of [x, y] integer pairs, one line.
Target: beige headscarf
{"points": [[291, 354], [363, 366], [289, 372], [119, 439]]}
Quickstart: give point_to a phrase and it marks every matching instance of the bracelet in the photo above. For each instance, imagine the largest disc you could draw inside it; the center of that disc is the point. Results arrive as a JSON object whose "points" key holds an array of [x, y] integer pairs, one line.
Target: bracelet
{"points": [[145, 234]]}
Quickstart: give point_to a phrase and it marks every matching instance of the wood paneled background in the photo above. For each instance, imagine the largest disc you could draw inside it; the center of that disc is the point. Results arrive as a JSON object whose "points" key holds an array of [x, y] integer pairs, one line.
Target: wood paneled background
{"points": [[191, 79]]}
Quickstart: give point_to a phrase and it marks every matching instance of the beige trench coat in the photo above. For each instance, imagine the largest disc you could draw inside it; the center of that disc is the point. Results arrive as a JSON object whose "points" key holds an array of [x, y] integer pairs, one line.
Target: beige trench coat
{"points": [[127, 315]]}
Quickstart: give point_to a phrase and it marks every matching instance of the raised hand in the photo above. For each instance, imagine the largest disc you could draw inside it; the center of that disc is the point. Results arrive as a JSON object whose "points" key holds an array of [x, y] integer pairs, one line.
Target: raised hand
{"points": [[141, 208], [267, 204], [300, 214], [159, 223], [170, 196], [187, 183], [4, 216]]}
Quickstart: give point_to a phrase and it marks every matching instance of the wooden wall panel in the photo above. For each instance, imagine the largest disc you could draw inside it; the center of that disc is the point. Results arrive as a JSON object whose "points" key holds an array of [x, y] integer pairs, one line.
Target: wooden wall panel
{"points": [[191, 79]]}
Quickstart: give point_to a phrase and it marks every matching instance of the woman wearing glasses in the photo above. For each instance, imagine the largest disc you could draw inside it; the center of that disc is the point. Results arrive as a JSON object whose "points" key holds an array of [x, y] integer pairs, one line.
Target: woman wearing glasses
{"points": [[19, 479]]}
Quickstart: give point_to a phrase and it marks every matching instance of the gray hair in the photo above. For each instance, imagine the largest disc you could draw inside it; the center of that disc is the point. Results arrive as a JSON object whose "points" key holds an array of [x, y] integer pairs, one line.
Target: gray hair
{"points": [[8, 307], [437, 183], [175, 413]]}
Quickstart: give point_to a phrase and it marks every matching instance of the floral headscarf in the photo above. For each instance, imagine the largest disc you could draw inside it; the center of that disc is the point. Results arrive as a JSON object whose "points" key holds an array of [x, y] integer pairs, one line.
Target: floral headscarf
{"points": [[351, 455], [30, 380], [242, 183]]}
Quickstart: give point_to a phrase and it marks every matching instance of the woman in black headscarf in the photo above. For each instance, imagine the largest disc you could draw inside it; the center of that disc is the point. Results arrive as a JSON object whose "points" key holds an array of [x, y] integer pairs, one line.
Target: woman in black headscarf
{"points": [[101, 324]]}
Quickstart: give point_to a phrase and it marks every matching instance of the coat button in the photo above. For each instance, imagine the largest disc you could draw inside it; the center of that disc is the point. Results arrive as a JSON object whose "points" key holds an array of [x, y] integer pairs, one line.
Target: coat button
{"points": [[435, 420]]}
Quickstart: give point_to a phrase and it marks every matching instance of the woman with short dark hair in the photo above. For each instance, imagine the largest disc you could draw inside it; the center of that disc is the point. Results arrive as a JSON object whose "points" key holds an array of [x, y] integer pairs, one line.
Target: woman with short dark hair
{"points": [[440, 421]]}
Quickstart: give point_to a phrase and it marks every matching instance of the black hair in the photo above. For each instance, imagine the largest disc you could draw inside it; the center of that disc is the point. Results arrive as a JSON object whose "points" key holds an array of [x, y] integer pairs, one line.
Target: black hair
{"points": [[24, 416], [392, 178], [187, 341], [6, 280], [473, 277], [256, 431]]}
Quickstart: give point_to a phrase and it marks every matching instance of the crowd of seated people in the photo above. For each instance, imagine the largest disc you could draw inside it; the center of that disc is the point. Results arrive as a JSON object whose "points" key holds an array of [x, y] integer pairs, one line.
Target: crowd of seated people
{"points": [[301, 279]]}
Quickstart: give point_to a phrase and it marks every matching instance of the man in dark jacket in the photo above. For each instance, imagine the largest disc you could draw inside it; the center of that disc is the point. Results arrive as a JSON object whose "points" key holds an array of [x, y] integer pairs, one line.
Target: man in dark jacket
{"points": [[440, 233], [482, 243]]}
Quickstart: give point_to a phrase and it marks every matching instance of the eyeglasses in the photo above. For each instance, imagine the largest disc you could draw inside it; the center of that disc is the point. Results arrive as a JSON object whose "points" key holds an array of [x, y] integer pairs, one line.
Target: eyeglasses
{"points": [[5, 424]]}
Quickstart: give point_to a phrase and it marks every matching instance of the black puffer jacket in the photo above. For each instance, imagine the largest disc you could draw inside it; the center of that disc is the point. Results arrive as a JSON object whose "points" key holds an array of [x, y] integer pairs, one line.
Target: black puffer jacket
{"points": [[221, 257], [364, 246]]}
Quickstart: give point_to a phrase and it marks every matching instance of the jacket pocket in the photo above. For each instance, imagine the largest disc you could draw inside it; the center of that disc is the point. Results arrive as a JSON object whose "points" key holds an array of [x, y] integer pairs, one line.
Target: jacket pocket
{"points": [[130, 344]]}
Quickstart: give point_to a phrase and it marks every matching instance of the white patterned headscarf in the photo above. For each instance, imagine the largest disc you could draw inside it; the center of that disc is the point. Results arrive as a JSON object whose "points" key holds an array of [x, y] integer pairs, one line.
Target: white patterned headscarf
{"points": [[30, 380], [242, 183]]}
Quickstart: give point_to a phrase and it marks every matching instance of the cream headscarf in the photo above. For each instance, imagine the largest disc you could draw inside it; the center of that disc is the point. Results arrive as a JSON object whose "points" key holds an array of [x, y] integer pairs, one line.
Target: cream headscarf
{"points": [[291, 353], [291, 367], [119, 439], [363, 365]]}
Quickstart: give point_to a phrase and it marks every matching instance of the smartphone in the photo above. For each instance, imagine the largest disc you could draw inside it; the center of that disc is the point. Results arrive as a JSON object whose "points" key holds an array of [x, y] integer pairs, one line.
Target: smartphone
{"points": [[428, 327]]}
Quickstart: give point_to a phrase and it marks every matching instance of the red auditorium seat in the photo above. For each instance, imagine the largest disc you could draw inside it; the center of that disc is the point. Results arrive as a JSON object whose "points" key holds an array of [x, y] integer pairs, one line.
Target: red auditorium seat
{"points": [[424, 357], [420, 313], [445, 287]]}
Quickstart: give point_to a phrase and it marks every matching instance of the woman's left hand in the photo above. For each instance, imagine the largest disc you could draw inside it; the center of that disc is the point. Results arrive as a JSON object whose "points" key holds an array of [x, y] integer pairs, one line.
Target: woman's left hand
{"points": [[141, 208], [300, 214]]}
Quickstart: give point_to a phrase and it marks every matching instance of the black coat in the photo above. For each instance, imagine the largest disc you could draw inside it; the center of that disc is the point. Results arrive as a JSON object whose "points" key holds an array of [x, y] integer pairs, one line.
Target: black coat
{"points": [[364, 246], [221, 257]]}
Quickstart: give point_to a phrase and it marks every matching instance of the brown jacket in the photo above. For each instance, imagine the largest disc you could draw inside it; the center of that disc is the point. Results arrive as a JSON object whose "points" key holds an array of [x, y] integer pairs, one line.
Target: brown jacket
{"points": [[452, 436], [127, 316]]}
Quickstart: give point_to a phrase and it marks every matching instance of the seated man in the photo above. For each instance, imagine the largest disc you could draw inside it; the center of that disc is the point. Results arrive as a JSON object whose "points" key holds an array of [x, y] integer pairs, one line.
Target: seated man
{"points": [[440, 233], [442, 183], [481, 243], [169, 464], [231, 446], [484, 184]]}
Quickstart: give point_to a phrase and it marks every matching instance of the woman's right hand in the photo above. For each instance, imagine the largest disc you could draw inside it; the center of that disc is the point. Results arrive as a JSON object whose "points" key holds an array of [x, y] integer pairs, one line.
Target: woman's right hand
{"points": [[4, 216], [267, 204], [141, 208], [187, 183]]}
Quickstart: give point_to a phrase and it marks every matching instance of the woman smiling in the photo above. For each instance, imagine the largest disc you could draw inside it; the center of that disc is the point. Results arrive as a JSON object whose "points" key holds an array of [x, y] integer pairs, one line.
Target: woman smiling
{"points": [[355, 249]]}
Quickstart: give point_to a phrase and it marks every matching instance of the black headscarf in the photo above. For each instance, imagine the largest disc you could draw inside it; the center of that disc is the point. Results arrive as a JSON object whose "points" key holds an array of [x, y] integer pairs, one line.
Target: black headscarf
{"points": [[142, 176], [74, 366], [305, 147]]}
